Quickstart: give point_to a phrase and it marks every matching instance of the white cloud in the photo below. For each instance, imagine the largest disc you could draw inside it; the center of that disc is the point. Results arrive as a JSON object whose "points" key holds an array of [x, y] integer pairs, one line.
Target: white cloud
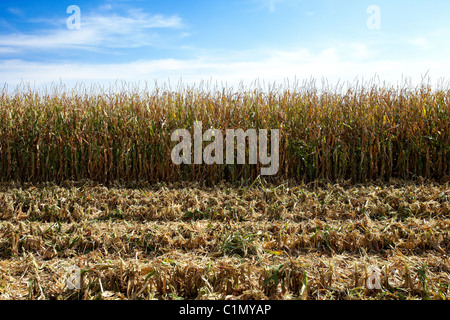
{"points": [[419, 41], [358, 51], [106, 7], [110, 31], [7, 50], [17, 12], [268, 4], [274, 66]]}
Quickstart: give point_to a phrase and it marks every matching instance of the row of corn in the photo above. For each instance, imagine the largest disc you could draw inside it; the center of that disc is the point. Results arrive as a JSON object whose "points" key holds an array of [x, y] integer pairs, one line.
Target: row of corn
{"points": [[362, 134]]}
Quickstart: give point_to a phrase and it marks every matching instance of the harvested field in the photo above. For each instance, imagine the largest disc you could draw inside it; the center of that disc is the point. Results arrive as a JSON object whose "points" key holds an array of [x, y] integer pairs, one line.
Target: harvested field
{"points": [[190, 241]]}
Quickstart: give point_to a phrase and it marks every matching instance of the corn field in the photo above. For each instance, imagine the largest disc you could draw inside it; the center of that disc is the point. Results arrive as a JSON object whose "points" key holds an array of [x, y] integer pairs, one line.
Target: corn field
{"points": [[87, 180], [361, 135]]}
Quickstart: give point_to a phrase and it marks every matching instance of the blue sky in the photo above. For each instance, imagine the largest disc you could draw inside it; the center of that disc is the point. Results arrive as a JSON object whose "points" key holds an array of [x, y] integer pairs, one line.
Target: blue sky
{"points": [[228, 41]]}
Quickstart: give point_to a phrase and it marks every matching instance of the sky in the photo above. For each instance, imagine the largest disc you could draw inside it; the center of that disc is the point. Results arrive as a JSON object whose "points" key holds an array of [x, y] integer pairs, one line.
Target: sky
{"points": [[230, 41]]}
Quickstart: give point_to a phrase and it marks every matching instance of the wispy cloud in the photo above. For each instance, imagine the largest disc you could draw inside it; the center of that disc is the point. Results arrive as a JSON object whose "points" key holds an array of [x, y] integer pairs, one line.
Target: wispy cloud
{"points": [[275, 65], [135, 29], [15, 11], [269, 4], [419, 41], [7, 50]]}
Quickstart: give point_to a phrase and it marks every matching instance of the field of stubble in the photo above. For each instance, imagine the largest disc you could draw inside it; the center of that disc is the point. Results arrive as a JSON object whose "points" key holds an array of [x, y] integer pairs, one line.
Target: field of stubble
{"points": [[188, 241]]}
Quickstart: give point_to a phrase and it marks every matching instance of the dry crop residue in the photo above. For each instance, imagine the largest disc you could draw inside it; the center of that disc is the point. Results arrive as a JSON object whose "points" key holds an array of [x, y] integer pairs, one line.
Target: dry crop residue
{"points": [[189, 241]]}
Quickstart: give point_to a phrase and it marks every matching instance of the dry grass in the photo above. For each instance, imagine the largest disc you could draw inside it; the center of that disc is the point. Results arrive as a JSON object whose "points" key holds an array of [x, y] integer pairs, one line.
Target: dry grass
{"points": [[188, 241]]}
